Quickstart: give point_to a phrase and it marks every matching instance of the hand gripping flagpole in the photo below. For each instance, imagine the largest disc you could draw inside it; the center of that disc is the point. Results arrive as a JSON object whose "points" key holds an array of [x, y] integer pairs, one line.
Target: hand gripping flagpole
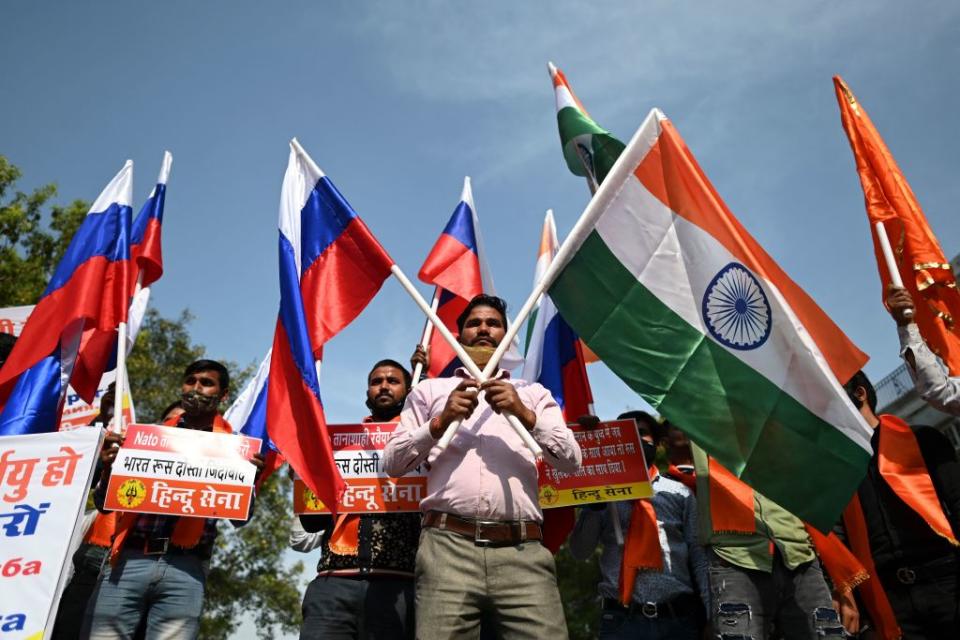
{"points": [[471, 366], [425, 339], [895, 278]]}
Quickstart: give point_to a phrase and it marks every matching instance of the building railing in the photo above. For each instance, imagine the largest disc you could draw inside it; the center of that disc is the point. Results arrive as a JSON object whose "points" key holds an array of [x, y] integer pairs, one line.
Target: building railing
{"points": [[893, 386]]}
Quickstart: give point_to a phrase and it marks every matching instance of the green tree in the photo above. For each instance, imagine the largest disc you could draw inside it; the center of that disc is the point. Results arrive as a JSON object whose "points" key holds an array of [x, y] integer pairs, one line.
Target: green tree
{"points": [[247, 571], [577, 581], [31, 247]]}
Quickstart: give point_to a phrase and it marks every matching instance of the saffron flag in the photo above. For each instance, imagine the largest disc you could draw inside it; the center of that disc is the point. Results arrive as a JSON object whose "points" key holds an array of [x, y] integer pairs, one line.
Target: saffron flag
{"points": [[554, 357], [457, 266], [88, 291], [588, 148], [675, 296], [925, 271], [98, 349], [331, 266], [248, 416]]}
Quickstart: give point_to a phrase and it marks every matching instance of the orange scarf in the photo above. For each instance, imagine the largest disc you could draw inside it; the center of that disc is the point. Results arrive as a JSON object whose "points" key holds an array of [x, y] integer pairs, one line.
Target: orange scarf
{"points": [[187, 531], [345, 537], [901, 466], [641, 548], [689, 480], [102, 529], [732, 511]]}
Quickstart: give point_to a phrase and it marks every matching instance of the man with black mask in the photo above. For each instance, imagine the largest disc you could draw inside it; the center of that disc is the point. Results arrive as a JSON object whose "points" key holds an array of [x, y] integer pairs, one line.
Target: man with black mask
{"points": [[156, 572], [364, 586]]}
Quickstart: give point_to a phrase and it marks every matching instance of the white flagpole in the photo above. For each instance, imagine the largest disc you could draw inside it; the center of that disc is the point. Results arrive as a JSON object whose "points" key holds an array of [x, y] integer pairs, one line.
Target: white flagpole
{"points": [[118, 388], [472, 368], [427, 334], [895, 278]]}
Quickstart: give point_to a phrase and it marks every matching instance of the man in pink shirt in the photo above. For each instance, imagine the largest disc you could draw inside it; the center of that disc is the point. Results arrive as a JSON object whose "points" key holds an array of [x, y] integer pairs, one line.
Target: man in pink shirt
{"points": [[480, 554]]}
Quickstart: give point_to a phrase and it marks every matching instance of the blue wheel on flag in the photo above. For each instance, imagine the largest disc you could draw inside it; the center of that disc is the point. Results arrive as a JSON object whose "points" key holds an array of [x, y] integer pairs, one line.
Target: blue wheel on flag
{"points": [[736, 310]]}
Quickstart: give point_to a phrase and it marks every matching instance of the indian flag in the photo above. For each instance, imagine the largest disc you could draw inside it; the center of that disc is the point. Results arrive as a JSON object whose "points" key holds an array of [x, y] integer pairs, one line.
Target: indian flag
{"points": [[588, 149], [664, 284]]}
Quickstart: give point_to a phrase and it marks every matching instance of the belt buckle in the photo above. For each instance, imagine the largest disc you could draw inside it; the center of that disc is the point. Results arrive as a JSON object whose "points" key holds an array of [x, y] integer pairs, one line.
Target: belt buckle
{"points": [[649, 610], [477, 539], [150, 547], [906, 575]]}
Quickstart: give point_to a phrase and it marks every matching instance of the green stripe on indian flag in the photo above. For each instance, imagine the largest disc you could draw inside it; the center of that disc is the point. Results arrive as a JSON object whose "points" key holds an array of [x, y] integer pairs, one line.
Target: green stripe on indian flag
{"points": [[713, 345]]}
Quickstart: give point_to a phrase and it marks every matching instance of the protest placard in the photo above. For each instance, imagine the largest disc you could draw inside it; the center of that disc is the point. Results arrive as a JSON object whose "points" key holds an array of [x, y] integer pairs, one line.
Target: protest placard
{"points": [[76, 412], [183, 472], [44, 481], [358, 451], [613, 468]]}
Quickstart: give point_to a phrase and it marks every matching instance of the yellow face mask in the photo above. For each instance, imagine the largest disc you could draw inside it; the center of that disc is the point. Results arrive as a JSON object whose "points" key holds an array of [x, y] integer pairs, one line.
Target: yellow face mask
{"points": [[480, 355]]}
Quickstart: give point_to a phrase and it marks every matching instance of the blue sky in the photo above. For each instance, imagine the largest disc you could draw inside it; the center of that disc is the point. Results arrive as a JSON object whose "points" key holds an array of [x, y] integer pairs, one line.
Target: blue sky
{"points": [[397, 101]]}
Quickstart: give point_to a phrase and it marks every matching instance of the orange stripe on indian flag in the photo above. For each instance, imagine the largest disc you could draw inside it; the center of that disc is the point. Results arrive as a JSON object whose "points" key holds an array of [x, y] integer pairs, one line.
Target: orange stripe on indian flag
{"points": [[671, 173]]}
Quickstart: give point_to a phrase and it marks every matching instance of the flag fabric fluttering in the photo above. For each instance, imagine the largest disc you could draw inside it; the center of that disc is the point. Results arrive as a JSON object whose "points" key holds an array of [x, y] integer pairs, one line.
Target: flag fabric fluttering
{"points": [[88, 292], [248, 416], [589, 149], [98, 349], [753, 366], [457, 266], [554, 357], [331, 266], [923, 267]]}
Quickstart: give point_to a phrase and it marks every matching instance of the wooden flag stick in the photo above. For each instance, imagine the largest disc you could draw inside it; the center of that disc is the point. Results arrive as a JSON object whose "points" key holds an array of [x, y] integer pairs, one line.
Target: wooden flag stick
{"points": [[467, 361], [892, 269]]}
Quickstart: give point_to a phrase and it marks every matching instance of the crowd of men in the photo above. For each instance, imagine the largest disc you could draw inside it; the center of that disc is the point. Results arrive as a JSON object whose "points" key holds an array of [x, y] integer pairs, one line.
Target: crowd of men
{"points": [[705, 557]]}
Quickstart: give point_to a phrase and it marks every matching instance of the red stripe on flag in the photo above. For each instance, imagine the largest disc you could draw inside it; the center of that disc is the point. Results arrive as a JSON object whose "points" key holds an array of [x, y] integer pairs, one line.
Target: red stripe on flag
{"points": [[342, 281], [97, 291], [671, 173], [148, 254], [453, 266], [297, 426]]}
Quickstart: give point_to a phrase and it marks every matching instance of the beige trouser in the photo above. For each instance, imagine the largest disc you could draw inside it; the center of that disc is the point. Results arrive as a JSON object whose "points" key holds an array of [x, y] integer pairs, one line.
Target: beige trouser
{"points": [[458, 583]]}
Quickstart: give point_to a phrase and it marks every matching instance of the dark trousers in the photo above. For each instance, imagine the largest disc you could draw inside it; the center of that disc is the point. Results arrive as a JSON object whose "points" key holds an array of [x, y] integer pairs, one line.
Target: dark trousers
{"points": [[348, 608], [928, 609], [87, 562], [621, 625], [750, 604]]}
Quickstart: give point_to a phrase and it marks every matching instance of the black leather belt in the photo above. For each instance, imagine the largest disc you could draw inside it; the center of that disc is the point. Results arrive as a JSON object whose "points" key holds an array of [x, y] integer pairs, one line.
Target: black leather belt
{"points": [[680, 607], [485, 533], [910, 574], [163, 546]]}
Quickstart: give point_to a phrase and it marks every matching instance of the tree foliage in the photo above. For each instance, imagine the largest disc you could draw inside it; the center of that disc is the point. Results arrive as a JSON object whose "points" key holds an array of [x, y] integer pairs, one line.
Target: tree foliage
{"points": [[30, 246], [248, 575], [577, 580]]}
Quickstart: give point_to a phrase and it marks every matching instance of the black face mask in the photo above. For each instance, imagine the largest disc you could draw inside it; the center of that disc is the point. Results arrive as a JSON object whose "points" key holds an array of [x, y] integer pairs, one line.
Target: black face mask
{"points": [[383, 414], [649, 451], [196, 403]]}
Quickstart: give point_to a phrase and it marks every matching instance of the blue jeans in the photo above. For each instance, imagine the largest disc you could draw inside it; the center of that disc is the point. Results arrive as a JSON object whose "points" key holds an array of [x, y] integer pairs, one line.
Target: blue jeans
{"points": [[617, 625], [166, 590]]}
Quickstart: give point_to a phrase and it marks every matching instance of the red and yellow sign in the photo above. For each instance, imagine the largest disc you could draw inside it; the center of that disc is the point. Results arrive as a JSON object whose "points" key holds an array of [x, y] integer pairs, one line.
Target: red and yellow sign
{"points": [[183, 472]]}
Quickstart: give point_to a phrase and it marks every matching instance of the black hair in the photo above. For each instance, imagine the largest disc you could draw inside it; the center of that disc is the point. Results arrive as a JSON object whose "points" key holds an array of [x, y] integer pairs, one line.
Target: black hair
{"points": [[387, 362], [483, 300], [860, 379], [658, 430], [210, 365]]}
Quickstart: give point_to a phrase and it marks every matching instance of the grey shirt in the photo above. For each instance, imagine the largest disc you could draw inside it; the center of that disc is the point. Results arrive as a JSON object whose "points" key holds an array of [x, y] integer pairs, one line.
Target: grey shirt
{"points": [[685, 564], [930, 377]]}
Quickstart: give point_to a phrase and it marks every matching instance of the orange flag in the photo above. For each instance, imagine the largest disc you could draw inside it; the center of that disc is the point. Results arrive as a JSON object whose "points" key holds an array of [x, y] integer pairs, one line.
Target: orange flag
{"points": [[926, 273]]}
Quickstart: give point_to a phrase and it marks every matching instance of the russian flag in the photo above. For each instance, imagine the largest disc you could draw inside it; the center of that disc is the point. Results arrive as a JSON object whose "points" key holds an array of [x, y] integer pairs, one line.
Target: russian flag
{"points": [[98, 349], [458, 268], [554, 355], [88, 291], [331, 266], [554, 358], [248, 415]]}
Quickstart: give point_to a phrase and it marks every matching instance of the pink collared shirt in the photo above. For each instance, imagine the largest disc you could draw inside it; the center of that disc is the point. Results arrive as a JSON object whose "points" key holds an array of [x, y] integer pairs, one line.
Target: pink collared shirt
{"points": [[486, 472]]}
